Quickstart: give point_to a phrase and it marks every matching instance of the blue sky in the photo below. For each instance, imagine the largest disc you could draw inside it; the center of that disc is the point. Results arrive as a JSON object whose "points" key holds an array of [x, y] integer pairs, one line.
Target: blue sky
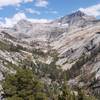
{"points": [[11, 10]]}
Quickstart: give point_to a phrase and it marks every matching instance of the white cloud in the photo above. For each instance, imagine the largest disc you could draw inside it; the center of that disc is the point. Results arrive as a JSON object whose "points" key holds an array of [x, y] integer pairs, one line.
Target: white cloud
{"points": [[52, 12], [31, 11], [12, 2], [39, 20], [92, 10], [9, 22], [28, 0], [41, 3]]}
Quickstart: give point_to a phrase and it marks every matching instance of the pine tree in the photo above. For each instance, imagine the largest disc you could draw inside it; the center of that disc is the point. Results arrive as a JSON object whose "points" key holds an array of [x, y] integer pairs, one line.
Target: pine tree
{"points": [[24, 85]]}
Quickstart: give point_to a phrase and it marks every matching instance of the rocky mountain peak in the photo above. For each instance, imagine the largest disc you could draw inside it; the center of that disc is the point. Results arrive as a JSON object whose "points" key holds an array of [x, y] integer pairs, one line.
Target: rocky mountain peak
{"points": [[23, 24], [77, 14], [77, 18], [22, 27]]}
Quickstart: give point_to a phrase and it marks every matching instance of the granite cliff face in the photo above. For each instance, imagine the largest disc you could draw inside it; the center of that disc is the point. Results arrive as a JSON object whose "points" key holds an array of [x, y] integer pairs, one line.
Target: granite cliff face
{"points": [[73, 39]]}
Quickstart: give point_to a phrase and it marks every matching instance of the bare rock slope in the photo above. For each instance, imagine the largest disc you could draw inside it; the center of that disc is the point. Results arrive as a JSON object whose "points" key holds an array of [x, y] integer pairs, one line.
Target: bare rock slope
{"points": [[75, 38]]}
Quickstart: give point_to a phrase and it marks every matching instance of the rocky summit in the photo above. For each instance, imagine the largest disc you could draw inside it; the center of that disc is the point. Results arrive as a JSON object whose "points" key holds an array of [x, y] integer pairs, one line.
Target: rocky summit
{"points": [[70, 44]]}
